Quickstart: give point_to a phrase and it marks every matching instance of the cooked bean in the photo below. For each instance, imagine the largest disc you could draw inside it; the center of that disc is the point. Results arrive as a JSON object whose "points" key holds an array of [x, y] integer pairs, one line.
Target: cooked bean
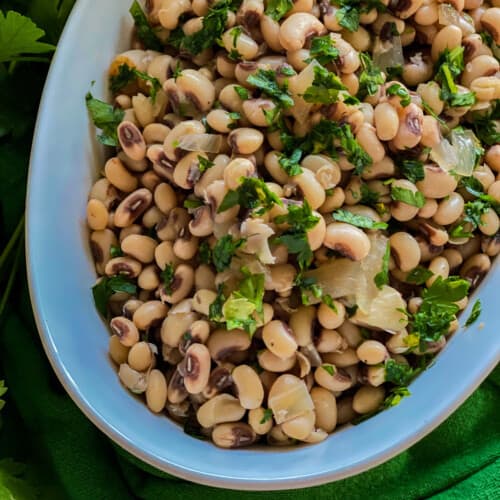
{"points": [[195, 368], [279, 339], [331, 318], [140, 356], [117, 351], [405, 250], [97, 215], [297, 28], [372, 352], [220, 409], [132, 207], [125, 330], [386, 122], [332, 378], [325, 407], [234, 435], [368, 399], [248, 387], [156, 392], [348, 240], [150, 313], [245, 140], [222, 343]]}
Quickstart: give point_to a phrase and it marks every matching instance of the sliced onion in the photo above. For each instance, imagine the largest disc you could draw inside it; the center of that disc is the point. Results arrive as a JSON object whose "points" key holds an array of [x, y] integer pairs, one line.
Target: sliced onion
{"points": [[388, 54], [257, 234], [297, 85], [208, 143], [448, 15]]}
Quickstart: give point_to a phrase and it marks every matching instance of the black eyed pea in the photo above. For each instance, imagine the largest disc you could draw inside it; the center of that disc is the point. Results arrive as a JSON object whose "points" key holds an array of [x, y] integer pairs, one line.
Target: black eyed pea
{"points": [[118, 175], [222, 344], [170, 146], [204, 278], [289, 398], [164, 255], [174, 225], [181, 286], [351, 333], [372, 352], [257, 111], [427, 250], [202, 223], [386, 123], [359, 39], [405, 250], [197, 88], [221, 120], [150, 180], [302, 324], [333, 201], [123, 101], [332, 378], [410, 127], [132, 207], [124, 266], [341, 359], [162, 166], [214, 194], [276, 437], [331, 318], [396, 343], [230, 99], [144, 109], [197, 333], [249, 388], [127, 231], [140, 247], [195, 368], [272, 363], [297, 28], [130, 307], [149, 314], [489, 223], [133, 380], [400, 210], [303, 364], [417, 70], [176, 392], [202, 301], [156, 391], [348, 240], [492, 157], [97, 215], [259, 421], [220, 409], [431, 133], [244, 44], [131, 140], [225, 68], [325, 407], [316, 436], [271, 162], [155, 133], [345, 412], [490, 20], [281, 279], [165, 198], [437, 183], [316, 235], [104, 191], [125, 330], [235, 170], [140, 357], [481, 66], [214, 173], [270, 32], [429, 209], [169, 12], [233, 435], [174, 326], [449, 210], [330, 341], [220, 379], [374, 375], [187, 170], [278, 338], [133, 165], [300, 427], [117, 351], [494, 191], [446, 38], [484, 175], [245, 140], [186, 246], [491, 245], [149, 279], [368, 399]]}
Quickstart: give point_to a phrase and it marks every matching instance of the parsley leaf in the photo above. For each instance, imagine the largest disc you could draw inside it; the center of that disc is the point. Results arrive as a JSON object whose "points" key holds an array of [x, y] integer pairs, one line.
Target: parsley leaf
{"points": [[398, 373], [215, 308], [407, 196], [115, 251], [268, 415], [330, 369], [413, 170], [308, 286], [127, 75], [324, 88], [370, 77], [145, 32], [251, 193], [395, 396], [291, 165], [382, 278], [265, 80], [19, 35], [204, 164], [368, 197], [205, 253], [242, 92], [167, 276], [354, 152], [106, 287], [105, 117], [357, 220], [487, 128], [193, 203], [224, 250], [418, 276], [276, 9], [476, 311], [398, 90], [323, 50], [348, 16]]}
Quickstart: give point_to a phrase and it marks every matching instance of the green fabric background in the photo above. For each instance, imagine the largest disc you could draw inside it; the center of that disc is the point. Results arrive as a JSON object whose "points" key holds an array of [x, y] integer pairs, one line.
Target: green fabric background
{"points": [[68, 458]]}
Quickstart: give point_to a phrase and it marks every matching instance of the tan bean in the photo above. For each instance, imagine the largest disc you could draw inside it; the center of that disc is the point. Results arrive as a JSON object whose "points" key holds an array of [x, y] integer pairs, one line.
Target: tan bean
{"points": [[272, 363], [222, 344], [301, 323], [368, 399], [156, 392], [132, 207], [125, 330], [117, 351], [248, 386], [437, 183], [278, 338], [405, 250], [131, 140], [175, 325], [386, 122], [220, 409], [140, 356], [139, 247], [325, 407], [195, 368], [447, 38], [372, 352], [233, 435], [150, 313], [349, 240], [97, 215], [490, 20], [332, 378], [300, 427], [297, 28], [260, 421], [341, 359], [165, 198], [331, 318]]}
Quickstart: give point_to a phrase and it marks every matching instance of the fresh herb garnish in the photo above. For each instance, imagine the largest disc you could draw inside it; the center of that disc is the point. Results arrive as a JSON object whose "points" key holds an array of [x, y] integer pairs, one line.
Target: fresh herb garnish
{"points": [[167, 276], [357, 220], [418, 276], [115, 251], [323, 50], [268, 415], [105, 117], [368, 196], [349, 11], [330, 369], [370, 77], [265, 80], [242, 92], [395, 396], [325, 88], [487, 127], [215, 308], [398, 373], [127, 75], [413, 170], [276, 9], [291, 164], [204, 164], [474, 315], [382, 278], [223, 252], [193, 203], [252, 193], [205, 253], [145, 32], [398, 90], [415, 199], [109, 285]]}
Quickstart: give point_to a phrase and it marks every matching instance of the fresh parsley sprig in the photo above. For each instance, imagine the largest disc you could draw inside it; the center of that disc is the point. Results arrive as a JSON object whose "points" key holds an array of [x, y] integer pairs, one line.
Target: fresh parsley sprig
{"points": [[127, 75], [265, 80], [105, 117], [357, 220], [325, 88], [107, 286], [144, 31]]}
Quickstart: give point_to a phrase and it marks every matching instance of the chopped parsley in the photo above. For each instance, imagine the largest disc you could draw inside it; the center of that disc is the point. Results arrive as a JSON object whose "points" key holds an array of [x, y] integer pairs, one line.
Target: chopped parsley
{"points": [[105, 117], [487, 128], [268, 415], [395, 396], [370, 77], [407, 196], [357, 220], [291, 164], [276, 9], [204, 164], [205, 253], [418, 276], [108, 286], [330, 369], [368, 196], [323, 50], [413, 170], [242, 92], [252, 193], [398, 373], [115, 251], [349, 11], [215, 308], [382, 278], [325, 87], [398, 90], [167, 276], [474, 315], [145, 32], [193, 203], [265, 80], [127, 75], [223, 252]]}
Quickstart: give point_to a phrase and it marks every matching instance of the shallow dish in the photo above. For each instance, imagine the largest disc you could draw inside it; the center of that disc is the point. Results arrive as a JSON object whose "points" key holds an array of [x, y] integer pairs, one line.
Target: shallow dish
{"points": [[64, 162]]}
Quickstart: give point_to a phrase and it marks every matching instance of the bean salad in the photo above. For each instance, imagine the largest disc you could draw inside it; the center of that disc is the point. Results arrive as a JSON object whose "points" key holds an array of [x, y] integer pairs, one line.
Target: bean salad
{"points": [[299, 199]]}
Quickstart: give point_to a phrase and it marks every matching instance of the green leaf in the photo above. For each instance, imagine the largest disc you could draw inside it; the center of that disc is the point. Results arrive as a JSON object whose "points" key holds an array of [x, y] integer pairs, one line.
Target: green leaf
{"points": [[205, 253], [487, 128], [193, 203], [368, 197], [330, 369], [407, 196], [308, 286], [105, 117], [167, 276], [382, 278], [276, 9], [204, 164], [13, 485], [323, 50], [268, 415], [224, 250], [215, 309], [106, 287], [398, 373], [127, 75], [291, 165], [475, 313], [265, 80], [19, 36], [395, 396], [145, 32], [115, 251], [242, 92], [357, 220], [325, 88], [370, 77], [419, 275], [413, 170], [398, 90], [298, 244], [348, 17]]}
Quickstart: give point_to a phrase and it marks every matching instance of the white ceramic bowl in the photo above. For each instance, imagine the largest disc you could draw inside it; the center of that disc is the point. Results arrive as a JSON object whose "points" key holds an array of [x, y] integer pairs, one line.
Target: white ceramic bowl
{"points": [[65, 160]]}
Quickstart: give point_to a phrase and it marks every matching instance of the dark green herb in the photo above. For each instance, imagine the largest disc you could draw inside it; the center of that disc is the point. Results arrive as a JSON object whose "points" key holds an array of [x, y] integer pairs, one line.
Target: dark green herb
{"points": [[395, 396], [350, 10], [215, 308], [323, 50], [108, 286], [115, 251], [330, 369], [291, 165], [265, 80], [398, 373], [127, 75], [325, 88], [413, 170], [403, 94], [475, 313], [382, 278], [105, 117], [145, 32], [276, 9], [370, 77], [224, 250], [167, 276], [205, 253], [204, 164], [268, 415], [357, 220], [193, 203], [407, 196], [242, 92], [486, 127], [418, 276], [368, 197]]}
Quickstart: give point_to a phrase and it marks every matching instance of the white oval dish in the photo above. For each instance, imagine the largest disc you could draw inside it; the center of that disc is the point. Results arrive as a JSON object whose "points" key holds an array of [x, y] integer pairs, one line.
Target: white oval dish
{"points": [[65, 160]]}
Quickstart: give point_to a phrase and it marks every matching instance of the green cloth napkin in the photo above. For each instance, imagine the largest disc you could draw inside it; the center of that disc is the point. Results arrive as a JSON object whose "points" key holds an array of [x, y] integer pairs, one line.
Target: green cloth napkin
{"points": [[461, 459]]}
